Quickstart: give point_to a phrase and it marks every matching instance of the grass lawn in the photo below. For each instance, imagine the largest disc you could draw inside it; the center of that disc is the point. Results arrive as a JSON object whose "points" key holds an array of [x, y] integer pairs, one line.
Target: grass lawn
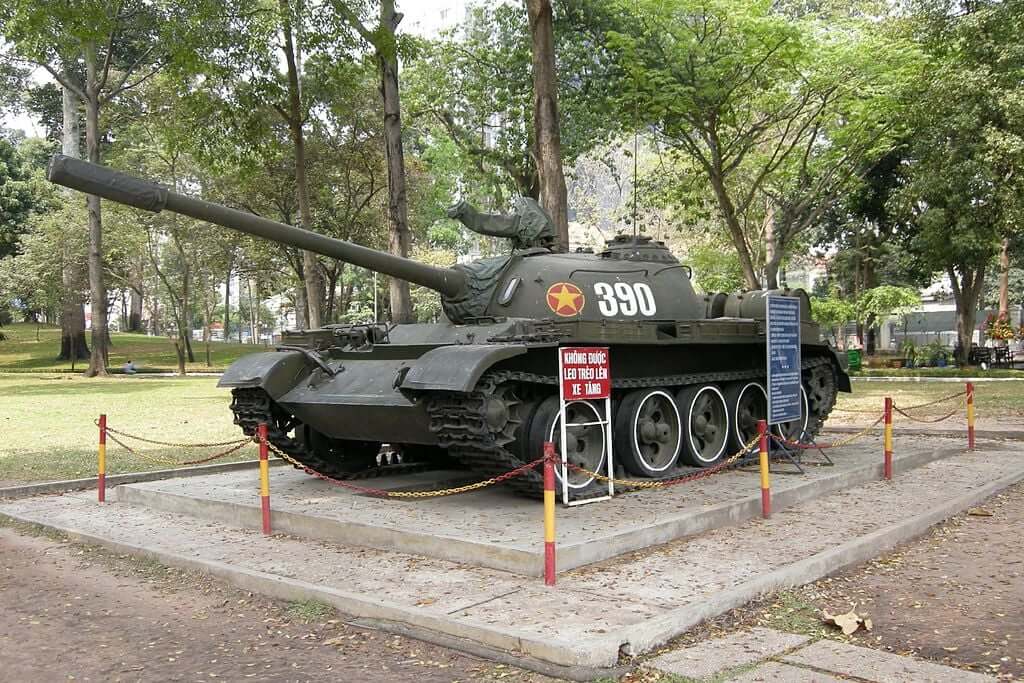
{"points": [[23, 352], [48, 431], [992, 399]]}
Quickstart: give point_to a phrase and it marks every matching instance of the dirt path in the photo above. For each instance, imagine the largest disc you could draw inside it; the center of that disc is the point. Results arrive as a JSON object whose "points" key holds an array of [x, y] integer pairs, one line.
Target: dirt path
{"points": [[954, 596], [73, 612]]}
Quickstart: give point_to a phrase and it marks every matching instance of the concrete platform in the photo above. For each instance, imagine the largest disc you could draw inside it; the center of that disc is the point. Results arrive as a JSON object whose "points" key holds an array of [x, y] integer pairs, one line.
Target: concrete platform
{"points": [[626, 605], [494, 528]]}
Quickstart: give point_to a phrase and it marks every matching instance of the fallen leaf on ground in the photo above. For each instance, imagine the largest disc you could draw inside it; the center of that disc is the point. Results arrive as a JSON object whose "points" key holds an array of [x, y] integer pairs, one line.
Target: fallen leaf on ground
{"points": [[848, 622]]}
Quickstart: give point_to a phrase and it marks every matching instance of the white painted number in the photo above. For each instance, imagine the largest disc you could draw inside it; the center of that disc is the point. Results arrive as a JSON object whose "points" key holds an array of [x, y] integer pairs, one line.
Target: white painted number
{"points": [[624, 299]]}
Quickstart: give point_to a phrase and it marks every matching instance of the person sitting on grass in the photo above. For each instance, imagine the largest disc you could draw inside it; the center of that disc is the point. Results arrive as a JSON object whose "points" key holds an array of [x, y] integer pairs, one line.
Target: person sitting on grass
{"points": [[129, 368]]}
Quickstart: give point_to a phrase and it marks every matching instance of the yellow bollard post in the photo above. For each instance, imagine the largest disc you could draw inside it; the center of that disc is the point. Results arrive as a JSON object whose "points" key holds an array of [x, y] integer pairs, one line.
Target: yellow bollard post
{"points": [[549, 513], [887, 445], [970, 416], [264, 478], [101, 464], [766, 487]]}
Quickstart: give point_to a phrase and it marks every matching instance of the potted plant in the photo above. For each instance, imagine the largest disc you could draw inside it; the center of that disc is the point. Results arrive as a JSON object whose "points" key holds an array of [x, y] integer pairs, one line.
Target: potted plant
{"points": [[909, 351], [937, 354], [998, 327]]}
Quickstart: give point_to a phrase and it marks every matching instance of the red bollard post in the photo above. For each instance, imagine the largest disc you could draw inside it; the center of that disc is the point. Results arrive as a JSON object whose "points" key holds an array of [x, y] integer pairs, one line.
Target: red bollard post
{"points": [[888, 438], [101, 466], [549, 513], [264, 478], [970, 416], [766, 488]]}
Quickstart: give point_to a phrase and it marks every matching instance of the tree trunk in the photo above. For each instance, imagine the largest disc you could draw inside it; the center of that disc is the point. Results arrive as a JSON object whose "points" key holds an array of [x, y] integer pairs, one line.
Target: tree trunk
{"points": [[546, 129], [180, 353], [135, 309], [301, 310], [73, 345], [313, 281], [772, 249], [206, 333], [966, 293], [1004, 278], [97, 288], [227, 302], [728, 211], [398, 210]]}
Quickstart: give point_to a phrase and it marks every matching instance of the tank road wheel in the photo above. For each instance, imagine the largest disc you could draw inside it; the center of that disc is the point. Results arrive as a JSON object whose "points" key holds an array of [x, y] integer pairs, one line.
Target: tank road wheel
{"points": [[706, 416], [748, 403], [586, 444], [794, 429], [648, 432]]}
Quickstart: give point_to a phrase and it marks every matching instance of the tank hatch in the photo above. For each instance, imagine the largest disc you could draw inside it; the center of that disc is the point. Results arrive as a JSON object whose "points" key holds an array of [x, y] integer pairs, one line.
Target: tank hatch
{"points": [[637, 248]]}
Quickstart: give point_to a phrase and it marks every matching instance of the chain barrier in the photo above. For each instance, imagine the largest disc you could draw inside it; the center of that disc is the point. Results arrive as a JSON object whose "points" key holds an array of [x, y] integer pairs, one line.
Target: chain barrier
{"points": [[868, 411], [237, 446], [938, 400], [637, 484], [925, 420], [845, 441], [216, 444], [382, 493]]}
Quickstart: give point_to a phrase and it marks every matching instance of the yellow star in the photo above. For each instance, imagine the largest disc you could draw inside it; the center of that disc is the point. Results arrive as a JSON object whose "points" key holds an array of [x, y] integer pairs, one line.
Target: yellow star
{"points": [[565, 298]]}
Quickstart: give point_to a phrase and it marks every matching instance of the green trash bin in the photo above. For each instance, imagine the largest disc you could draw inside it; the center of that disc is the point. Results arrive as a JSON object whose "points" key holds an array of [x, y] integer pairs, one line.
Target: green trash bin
{"points": [[853, 358]]}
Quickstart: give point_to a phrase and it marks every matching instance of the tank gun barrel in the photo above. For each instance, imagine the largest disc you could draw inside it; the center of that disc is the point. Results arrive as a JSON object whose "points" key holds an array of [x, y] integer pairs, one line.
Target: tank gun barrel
{"points": [[143, 194]]}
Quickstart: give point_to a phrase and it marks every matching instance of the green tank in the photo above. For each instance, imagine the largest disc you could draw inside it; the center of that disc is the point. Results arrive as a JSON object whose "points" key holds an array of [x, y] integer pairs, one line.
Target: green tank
{"points": [[480, 387]]}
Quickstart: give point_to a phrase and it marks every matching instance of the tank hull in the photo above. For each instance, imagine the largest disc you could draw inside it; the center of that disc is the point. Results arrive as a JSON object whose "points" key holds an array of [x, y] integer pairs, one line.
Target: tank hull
{"points": [[415, 391]]}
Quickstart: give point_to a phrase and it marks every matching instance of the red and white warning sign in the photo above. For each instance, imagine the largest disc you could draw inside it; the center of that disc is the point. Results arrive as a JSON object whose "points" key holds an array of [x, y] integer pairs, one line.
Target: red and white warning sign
{"points": [[584, 373]]}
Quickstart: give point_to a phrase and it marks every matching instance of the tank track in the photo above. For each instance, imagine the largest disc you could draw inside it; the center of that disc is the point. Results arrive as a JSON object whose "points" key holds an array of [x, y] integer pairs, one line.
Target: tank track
{"points": [[460, 420], [253, 406]]}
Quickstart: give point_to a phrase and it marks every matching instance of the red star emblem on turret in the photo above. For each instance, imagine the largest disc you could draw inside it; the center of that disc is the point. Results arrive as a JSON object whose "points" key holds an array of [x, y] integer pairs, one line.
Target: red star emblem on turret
{"points": [[565, 299]]}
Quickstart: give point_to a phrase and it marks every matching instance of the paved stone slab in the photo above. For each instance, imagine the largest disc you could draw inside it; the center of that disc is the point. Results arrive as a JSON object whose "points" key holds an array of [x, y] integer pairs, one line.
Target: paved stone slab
{"points": [[497, 529], [874, 665], [774, 672], [632, 603], [714, 656]]}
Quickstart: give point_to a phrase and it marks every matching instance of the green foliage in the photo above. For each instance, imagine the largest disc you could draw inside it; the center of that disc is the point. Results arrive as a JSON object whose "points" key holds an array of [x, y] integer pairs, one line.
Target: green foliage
{"points": [[473, 89], [962, 194], [713, 270], [23, 192], [885, 301], [833, 311], [769, 120]]}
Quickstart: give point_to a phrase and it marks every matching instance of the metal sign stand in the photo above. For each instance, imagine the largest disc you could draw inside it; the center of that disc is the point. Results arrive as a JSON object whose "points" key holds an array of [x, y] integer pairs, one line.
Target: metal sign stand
{"points": [[604, 421]]}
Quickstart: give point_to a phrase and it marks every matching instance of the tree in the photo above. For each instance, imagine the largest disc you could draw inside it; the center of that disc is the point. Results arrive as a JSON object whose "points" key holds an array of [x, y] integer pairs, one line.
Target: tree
{"points": [[473, 88], [833, 312], [546, 129], [775, 116], [963, 190], [885, 301], [98, 50], [385, 46]]}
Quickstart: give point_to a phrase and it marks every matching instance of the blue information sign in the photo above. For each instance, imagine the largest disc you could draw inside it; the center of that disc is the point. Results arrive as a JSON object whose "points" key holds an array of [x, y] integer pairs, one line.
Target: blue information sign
{"points": [[784, 401]]}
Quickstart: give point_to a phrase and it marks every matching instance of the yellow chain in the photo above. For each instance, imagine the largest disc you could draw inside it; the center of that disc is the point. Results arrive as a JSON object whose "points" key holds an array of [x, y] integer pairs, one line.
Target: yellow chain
{"points": [[236, 446], [636, 484], [111, 430], [390, 494], [850, 439]]}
